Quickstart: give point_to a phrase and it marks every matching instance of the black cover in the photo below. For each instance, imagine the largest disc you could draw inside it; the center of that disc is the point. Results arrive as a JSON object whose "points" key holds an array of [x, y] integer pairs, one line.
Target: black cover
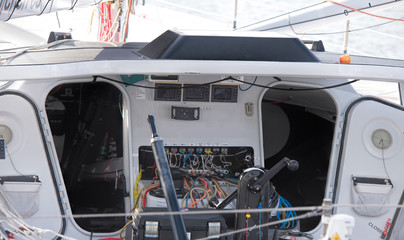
{"points": [[172, 45], [196, 224]]}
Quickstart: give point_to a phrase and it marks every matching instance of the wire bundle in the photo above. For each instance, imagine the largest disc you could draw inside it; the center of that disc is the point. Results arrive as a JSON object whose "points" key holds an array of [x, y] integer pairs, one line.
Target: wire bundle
{"points": [[195, 161], [141, 195], [283, 203], [203, 189]]}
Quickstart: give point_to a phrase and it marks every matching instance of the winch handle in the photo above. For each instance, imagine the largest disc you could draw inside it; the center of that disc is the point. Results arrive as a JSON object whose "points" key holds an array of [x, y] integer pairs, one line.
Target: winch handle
{"points": [[292, 165]]}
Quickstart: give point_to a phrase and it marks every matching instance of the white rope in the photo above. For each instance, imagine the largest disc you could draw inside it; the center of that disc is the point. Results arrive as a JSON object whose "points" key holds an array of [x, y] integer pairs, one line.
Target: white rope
{"points": [[15, 221], [52, 232]]}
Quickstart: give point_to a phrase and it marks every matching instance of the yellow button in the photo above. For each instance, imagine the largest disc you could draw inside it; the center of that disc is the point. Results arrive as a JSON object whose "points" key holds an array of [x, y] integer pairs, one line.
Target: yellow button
{"points": [[335, 237]]}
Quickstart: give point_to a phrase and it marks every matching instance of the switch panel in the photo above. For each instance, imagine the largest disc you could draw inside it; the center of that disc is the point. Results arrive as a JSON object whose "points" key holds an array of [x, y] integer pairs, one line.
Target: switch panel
{"points": [[185, 113], [2, 148]]}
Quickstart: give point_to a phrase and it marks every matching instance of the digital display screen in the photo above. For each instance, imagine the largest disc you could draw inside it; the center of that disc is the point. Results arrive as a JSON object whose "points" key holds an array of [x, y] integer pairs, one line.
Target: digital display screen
{"points": [[196, 93], [220, 93], [167, 92]]}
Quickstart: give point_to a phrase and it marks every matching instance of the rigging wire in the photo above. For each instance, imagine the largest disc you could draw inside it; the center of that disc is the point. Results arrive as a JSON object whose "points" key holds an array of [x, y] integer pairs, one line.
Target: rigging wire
{"points": [[363, 12], [12, 12], [224, 211], [43, 9], [329, 33], [314, 211], [351, 30], [57, 18], [74, 4], [285, 14], [127, 20]]}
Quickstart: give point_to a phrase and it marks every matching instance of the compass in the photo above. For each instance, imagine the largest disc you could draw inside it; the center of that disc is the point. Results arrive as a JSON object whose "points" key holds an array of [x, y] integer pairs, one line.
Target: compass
{"points": [[382, 139], [6, 133]]}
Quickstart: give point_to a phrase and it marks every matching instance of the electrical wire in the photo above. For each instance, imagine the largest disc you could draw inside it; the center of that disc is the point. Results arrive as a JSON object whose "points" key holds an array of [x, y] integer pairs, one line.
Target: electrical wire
{"points": [[140, 193], [151, 87], [220, 190], [200, 199], [300, 89], [136, 188], [12, 162], [384, 161], [243, 90], [283, 203], [202, 179], [303, 216], [123, 229], [145, 194], [230, 78], [192, 186], [186, 184]]}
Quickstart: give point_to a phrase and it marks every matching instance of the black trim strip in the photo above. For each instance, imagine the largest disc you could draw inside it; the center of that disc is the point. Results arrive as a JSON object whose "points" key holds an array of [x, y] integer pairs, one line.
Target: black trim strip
{"points": [[24, 178], [47, 154], [375, 181]]}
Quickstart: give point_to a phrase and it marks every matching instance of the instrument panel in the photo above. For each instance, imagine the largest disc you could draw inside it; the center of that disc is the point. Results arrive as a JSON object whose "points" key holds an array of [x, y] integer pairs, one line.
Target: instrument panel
{"points": [[195, 92]]}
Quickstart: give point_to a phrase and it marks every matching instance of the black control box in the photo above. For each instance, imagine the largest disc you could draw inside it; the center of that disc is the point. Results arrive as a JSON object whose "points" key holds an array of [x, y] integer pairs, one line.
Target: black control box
{"points": [[2, 149]]}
